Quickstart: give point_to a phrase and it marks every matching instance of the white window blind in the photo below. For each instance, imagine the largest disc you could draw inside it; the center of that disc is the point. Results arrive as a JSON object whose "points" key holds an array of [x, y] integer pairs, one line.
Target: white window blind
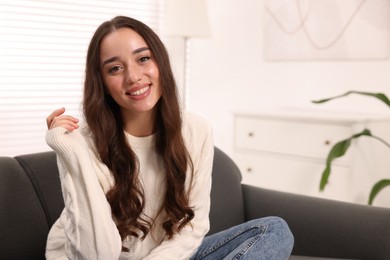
{"points": [[43, 46]]}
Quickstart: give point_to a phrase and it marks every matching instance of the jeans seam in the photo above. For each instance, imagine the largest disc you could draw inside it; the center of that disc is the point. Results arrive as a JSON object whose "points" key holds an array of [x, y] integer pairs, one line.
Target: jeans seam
{"points": [[263, 229], [251, 243]]}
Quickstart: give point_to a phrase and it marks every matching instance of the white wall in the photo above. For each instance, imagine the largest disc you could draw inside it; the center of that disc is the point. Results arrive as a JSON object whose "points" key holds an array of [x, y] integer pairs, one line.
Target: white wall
{"points": [[228, 73]]}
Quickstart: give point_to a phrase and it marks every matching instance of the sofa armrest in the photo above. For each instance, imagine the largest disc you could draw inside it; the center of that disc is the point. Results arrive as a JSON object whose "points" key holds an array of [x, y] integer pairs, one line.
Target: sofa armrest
{"points": [[325, 228]]}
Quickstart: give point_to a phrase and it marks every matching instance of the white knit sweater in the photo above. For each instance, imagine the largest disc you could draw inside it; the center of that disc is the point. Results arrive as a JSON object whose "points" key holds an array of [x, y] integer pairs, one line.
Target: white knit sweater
{"points": [[86, 230]]}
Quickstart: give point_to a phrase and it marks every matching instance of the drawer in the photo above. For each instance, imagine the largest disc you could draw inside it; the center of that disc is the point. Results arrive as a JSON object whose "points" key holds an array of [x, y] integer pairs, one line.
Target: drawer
{"points": [[300, 177], [289, 137]]}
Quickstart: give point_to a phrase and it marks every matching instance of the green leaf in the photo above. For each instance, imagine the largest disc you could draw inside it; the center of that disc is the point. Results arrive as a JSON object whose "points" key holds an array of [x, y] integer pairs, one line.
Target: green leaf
{"points": [[377, 188], [380, 96], [338, 150]]}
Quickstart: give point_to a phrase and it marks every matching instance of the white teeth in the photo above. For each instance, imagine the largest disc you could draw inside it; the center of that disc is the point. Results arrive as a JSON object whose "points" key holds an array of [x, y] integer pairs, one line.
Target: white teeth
{"points": [[139, 92]]}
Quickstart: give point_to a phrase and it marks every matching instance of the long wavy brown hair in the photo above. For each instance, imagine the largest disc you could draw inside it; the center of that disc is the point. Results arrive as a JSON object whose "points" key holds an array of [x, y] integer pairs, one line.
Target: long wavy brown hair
{"points": [[105, 122]]}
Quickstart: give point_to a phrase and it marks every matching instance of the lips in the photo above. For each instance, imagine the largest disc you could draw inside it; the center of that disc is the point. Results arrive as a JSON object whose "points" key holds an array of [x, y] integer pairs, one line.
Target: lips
{"points": [[138, 92]]}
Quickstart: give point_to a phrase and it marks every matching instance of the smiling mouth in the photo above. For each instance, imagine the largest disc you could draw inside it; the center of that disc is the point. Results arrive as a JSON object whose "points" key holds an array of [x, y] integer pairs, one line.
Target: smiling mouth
{"points": [[138, 92]]}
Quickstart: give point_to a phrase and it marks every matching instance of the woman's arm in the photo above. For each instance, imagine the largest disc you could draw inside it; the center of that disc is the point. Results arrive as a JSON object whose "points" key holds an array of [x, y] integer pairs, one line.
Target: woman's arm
{"points": [[89, 229]]}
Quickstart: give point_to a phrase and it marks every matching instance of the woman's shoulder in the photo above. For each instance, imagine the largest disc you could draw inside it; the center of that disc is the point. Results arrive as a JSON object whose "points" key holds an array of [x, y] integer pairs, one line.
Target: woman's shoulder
{"points": [[195, 128], [195, 122]]}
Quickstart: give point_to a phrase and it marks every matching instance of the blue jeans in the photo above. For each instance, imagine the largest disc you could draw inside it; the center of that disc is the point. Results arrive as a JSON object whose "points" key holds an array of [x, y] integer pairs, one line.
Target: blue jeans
{"points": [[264, 238]]}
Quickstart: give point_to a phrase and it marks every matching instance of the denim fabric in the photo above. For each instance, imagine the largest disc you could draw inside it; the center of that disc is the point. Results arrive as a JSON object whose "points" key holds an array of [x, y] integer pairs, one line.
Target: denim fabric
{"points": [[264, 238]]}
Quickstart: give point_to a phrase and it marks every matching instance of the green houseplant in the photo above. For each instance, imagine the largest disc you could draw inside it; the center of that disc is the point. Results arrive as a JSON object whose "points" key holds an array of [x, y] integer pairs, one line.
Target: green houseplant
{"points": [[341, 147]]}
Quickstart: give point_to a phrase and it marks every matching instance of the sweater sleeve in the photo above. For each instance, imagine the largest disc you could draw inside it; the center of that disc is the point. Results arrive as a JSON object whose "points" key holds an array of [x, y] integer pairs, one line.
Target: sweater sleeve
{"points": [[87, 222], [184, 244]]}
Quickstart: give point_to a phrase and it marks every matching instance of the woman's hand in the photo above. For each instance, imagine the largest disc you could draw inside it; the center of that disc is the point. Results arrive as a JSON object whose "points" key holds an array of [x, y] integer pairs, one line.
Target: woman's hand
{"points": [[57, 119]]}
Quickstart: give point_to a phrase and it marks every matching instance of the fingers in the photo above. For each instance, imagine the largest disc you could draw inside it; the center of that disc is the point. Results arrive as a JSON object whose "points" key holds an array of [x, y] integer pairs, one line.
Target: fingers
{"points": [[68, 122], [55, 113], [58, 119]]}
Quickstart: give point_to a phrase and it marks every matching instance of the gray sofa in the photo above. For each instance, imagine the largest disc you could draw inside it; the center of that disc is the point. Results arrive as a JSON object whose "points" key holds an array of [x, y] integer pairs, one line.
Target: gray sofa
{"points": [[31, 200]]}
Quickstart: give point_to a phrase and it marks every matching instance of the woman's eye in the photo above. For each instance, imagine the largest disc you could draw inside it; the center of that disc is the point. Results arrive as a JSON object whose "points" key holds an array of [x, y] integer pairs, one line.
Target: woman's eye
{"points": [[114, 69], [144, 59]]}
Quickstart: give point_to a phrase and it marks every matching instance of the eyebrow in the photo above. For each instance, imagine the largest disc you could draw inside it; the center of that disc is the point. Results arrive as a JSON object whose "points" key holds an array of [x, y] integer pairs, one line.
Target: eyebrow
{"points": [[136, 51], [140, 50]]}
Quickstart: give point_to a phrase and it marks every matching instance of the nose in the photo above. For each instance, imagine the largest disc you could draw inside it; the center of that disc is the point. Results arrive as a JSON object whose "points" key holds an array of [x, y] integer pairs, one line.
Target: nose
{"points": [[133, 74]]}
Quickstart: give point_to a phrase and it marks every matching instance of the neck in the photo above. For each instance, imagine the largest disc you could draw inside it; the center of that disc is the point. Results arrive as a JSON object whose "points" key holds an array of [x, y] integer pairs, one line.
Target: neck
{"points": [[140, 124]]}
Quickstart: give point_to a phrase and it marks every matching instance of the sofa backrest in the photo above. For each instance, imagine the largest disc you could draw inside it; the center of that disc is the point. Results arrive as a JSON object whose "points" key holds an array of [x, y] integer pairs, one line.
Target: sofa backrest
{"points": [[31, 201], [227, 205], [41, 168]]}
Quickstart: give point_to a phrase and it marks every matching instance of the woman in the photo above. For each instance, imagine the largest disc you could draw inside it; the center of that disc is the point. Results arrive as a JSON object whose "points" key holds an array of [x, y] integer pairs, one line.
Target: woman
{"points": [[136, 177]]}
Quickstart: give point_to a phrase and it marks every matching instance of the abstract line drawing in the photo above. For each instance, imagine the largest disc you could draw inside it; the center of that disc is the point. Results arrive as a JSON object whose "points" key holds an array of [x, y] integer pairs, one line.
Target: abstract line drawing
{"points": [[326, 30]]}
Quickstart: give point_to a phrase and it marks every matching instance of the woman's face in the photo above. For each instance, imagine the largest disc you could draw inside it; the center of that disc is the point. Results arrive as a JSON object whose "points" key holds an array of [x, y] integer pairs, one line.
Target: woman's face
{"points": [[129, 72]]}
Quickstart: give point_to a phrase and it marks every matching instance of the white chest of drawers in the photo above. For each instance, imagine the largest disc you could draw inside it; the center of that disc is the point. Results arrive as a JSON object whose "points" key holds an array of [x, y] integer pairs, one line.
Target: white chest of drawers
{"points": [[287, 151]]}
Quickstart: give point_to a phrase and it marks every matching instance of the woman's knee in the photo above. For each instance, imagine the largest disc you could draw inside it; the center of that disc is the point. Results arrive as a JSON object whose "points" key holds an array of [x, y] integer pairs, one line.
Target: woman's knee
{"points": [[278, 229], [272, 239], [282, 232]]}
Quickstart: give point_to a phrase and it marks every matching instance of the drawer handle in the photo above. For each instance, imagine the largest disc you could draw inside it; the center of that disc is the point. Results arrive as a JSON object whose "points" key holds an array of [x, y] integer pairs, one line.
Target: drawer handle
{"points": [[251, 134], [249, 169], [327, 142]]}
